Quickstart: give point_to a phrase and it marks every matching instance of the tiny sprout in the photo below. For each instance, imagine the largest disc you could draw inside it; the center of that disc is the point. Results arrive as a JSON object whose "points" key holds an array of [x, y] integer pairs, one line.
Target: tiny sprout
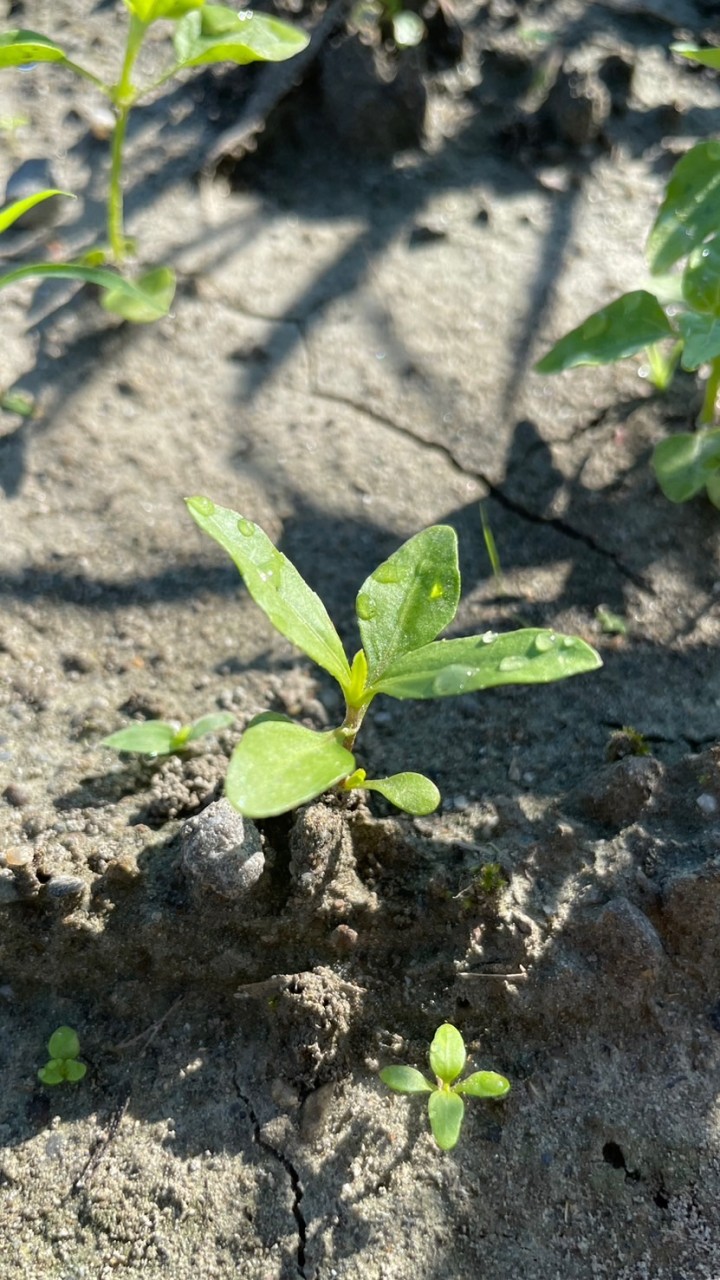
{"points": [[63, 1050], [446, 1108], [627, 742], [163, 737], [491, 878]]}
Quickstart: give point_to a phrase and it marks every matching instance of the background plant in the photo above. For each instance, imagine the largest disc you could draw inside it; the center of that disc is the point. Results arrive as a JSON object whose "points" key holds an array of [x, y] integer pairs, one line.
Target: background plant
{"points": [[446, 1109], [63, 1050], [401, 609], [164, 737], [203, 33], [677, 322]]}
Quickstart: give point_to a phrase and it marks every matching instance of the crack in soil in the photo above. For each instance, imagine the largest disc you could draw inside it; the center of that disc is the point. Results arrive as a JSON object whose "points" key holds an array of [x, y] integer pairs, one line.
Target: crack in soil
{"points": [[291, 1172]]}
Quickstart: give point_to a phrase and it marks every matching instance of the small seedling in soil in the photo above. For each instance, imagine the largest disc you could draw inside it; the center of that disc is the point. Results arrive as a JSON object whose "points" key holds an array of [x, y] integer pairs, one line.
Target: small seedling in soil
{"points": [[63, 1050], [164, 738], [677, 322], [400, 609], [627, 742], [446, 1108], [203, 34]]}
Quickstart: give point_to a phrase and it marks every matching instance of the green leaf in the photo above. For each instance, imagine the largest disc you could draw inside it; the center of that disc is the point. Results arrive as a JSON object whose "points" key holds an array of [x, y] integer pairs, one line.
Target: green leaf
{"points": [[276, 586], [685, 463], [701, 278], [447, 1053], [151, 738], [410, 598], [218, 34], [706, 57], [484, 1084], [628, 325], [142, 300], [405, 1080], [17, 402], [691, 208], [448, 667], [701, 339], [148, 11], [12, 212], [53, 1072], [278, 765], [210, 724], [64, 1043], [74, 1070], [411, 792], [19, 47], [446, 1111]]}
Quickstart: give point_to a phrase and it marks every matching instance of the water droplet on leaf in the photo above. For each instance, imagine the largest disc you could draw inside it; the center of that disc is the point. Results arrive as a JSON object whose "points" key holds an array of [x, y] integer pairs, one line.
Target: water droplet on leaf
{"points": [[513, 662], [246, 528], [488, 637], [437, 591], [204, 506], [365, 608], [385, 574], [544, 641]]}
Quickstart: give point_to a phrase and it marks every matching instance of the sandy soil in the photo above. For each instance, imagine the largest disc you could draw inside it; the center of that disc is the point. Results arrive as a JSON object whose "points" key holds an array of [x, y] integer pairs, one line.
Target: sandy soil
{"points": [[348, 359]]}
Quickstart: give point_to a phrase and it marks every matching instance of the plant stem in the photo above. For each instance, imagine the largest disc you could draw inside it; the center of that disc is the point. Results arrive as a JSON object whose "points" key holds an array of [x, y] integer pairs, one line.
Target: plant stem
{"points": [[712, 386], [350, 726], [123, 96]]}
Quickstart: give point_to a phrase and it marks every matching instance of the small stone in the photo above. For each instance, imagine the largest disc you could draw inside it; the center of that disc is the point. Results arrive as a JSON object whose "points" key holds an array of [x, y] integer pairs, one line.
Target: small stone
{"points": [[221, 851], [64, 892], [16, 795], [344, 939], [707, 804], [8, 888]]}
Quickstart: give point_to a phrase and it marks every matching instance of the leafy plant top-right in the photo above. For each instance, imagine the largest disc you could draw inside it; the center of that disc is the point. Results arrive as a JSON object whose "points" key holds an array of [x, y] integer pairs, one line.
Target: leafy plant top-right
{"points": [[401, 609], [677, 321]]}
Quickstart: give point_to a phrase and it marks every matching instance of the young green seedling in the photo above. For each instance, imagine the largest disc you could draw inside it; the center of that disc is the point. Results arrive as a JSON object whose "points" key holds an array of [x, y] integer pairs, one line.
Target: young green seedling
{"points": [[162, 737], [401, 609], [203, 34], [446, 1108], [679, 321], [63, 1050]]}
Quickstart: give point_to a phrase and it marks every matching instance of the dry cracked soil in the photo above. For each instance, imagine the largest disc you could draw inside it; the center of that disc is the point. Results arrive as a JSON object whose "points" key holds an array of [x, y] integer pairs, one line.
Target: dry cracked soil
{"points": [[362, 293]]}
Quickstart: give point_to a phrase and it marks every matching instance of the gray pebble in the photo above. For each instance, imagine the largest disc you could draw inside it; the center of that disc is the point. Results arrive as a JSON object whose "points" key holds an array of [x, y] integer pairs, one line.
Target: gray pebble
{"points": [[221, 851]]}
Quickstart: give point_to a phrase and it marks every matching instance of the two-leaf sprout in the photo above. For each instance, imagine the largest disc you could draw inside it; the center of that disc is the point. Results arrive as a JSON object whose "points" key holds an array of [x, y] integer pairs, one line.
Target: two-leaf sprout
{"points": [[162, 737], [63, 1051], [401, 609]]}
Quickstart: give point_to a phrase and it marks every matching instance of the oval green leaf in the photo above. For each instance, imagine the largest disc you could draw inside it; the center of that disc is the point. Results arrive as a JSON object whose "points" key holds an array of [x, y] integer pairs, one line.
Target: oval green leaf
{"points": [[18, 48], [446, 1111], [484, 1084], [447, 1053], [210, 724], [278, 765], [701, 278], [276, 586], [64, 1043], [411, 792], [405, 1080], [151, 738], [12, 212], [142, 300], [690, 210], [449, 667], [74, 1070], [53, 1072], [219, 34], [701, 339], [626, 326], [685, 463], [410, 598]]}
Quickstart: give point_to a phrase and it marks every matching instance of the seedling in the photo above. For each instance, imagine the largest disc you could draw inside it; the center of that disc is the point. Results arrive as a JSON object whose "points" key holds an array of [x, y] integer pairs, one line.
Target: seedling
{"points": [[63, 1049], [678, 322], [446, 1108], [400, 609], [163, 737], [203, 34]]}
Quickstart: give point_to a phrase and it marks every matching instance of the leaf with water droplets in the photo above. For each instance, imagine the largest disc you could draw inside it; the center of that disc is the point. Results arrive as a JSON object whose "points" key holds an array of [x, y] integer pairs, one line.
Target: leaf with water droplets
{"points": [[628, 325], [216, 33], [701, 278], [690, 210], [410, 598], [276, 586], [278, 765], [448, 667]]}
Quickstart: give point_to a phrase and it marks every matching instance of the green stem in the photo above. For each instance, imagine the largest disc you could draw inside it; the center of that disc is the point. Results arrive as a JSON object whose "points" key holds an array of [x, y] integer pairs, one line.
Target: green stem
{"points": [[350, 726], [88, 75], [712, 386], [123, 95]]}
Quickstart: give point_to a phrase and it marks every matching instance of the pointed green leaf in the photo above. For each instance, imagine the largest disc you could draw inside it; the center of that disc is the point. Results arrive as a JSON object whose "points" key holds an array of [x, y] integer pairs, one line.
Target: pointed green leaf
{"points": [[12, 212], [74, 1070], [210, 724], [18, 48], [701, 277], [685, 463], [64, 1043], [410, 598], [278, 765], [447, 1053], [691, 208], [219, 34], [142, 300], [148, 11], [150, 737], [53, 1072], [411, 792], [701, 339], [484, 1084], [626, 326], [446, 1111], [405, 1080], [276, 586], [706, 57], [448, 667]]}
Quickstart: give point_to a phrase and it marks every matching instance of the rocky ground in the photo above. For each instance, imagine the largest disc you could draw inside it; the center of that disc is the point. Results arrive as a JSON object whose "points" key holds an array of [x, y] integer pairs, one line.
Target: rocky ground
{"points": [[348, 359]]}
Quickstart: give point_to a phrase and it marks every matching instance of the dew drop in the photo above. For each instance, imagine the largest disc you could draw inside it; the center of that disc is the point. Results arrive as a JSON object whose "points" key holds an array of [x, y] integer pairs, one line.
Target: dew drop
{"points": [[269, 570], [451, 680], [203, 506], [246, 528], [513, 662], [569, 642], [386, 574], [544, 641], [365, 608], [488, 637], [437, 591]]}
